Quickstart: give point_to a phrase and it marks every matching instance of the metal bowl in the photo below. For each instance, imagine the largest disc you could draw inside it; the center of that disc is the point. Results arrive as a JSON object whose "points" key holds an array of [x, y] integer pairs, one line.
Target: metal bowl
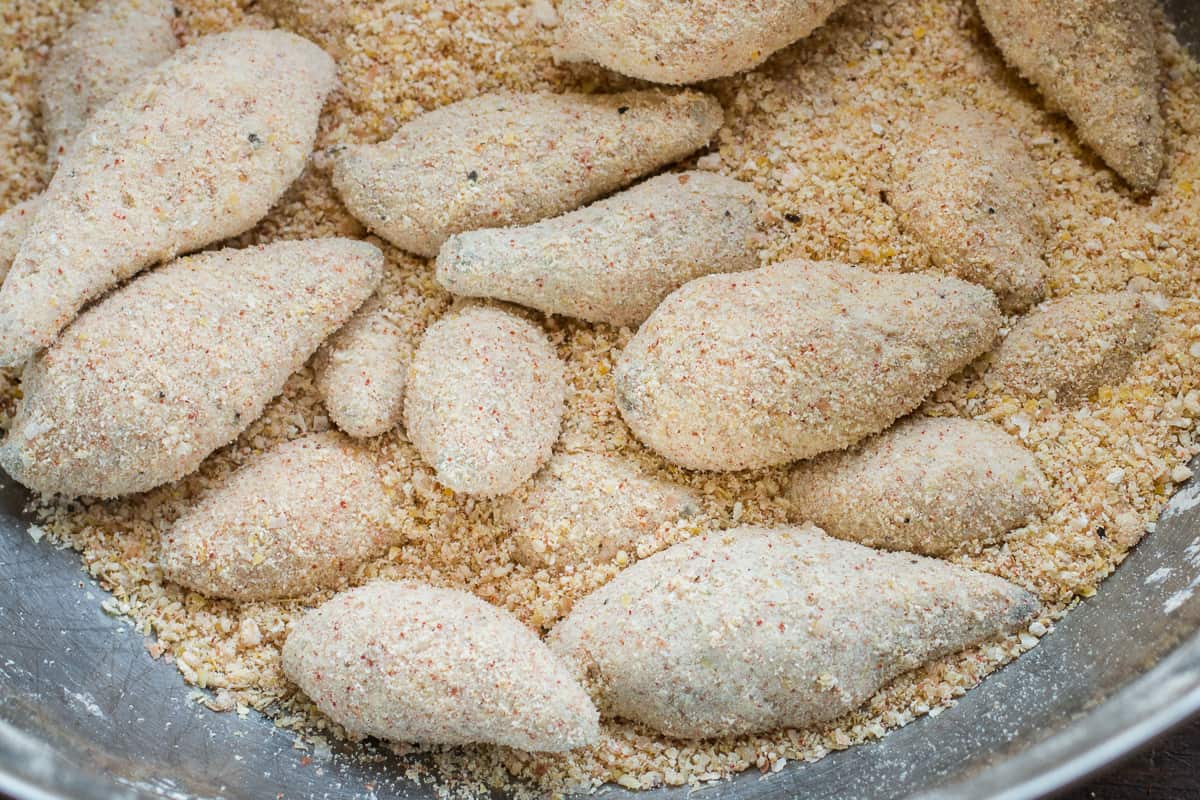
{"points": [[86, 714]]}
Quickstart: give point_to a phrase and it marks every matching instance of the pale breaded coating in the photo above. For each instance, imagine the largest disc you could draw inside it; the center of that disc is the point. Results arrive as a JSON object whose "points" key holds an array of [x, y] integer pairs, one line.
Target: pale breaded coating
{"points": [[195, 151], [684, 42], [965, 186], [361, 372], [512, 159], [615, 260], [149, 381], [927, 485], [794, 359], [102, 53], [1068, 348], [755, 629], [586, 508], [1096, 61], [302, 516], [485, 400], [414, 663], [14, 224]]}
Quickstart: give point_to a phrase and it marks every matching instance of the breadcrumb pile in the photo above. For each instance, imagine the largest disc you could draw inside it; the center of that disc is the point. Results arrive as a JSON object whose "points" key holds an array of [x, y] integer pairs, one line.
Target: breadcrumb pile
{"points": [[814, 130]]}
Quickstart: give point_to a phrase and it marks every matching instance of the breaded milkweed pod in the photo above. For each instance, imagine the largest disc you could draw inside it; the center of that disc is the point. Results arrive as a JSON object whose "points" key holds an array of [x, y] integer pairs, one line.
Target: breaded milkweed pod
{"points": [[684, 42]]}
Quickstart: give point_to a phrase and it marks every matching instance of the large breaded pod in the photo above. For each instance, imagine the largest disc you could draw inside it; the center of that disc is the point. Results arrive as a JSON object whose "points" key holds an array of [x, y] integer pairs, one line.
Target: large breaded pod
{"points": [[146, 383], [299, 517], [615, 260], [1097, 61], [791, 360], [926, 485], [511, 159], [685, 42], [757, 629], [415, 663], [195, 151]]}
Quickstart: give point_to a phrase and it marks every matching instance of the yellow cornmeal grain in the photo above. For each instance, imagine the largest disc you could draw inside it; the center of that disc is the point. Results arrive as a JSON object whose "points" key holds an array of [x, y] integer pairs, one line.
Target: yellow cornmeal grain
{"points": [[814, 130]]}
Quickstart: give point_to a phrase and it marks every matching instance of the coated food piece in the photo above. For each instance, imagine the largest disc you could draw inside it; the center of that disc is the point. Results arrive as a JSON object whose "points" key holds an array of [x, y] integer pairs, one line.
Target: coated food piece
{"points": [[414, 663], [14, 223], [98, 56], [360, 373], [512, 159], [791, 360], [927, 485], [1069, 347], [966, 187], [150, 380], [615, 260], [1096, 61], [299, 517], [485, 400], [757, 629], [586, 507], [195, 151], [685, 42]]}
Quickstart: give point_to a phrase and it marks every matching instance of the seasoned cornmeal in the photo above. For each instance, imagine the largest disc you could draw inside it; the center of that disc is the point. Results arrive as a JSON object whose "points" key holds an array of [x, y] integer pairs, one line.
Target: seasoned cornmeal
{"points": [[814, 130]]}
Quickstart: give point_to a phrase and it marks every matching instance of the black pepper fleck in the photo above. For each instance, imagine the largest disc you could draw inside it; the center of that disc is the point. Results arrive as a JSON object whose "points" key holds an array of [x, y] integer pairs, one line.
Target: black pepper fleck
{"points": [[255, 139], [622, 109], [472, 176], [790, 217], [1102, 532]]}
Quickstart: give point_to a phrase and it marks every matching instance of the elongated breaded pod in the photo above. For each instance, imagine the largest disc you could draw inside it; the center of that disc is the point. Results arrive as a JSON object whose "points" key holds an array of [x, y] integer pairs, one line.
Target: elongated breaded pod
{"points": [[98, 56], [926, 485], [299, 517], [684, 42], [756, 629], [511, 159], [1069, 347], [415, 663], [615, 260], [966, 187], [196, 150], [14, 224], [1096, 60], [149, 381], [361, 372], [485, 400], [791, 360]]}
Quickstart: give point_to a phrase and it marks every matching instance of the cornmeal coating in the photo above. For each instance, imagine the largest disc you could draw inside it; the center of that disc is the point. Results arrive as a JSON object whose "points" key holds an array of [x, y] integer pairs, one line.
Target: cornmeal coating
{"points": [[361, 372], [927, 485], [1097, 62], [684, 42], [14, 224], [195, 151], [964, 184], [102, 53], [756, 629], [1070, 347], [485, 400], [415, 663], [150, 380], [299, 517], [615, 260], [511, 159], [586, 508], [794, 359]]}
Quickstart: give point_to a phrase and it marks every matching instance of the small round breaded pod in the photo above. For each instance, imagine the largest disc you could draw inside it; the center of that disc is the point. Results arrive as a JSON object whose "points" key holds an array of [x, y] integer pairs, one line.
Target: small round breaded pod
{"points": [[415, 663], [926, 485], [684, 42], [511, 159], [153, 378], [965, 185], [1069, 347], [196, 150], [757, 629], [1097, 61], [585, 508], [485, 400], [791, 360], [98, 56], [299, 517], [615, 260], [360, 372], [14, 224]]}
